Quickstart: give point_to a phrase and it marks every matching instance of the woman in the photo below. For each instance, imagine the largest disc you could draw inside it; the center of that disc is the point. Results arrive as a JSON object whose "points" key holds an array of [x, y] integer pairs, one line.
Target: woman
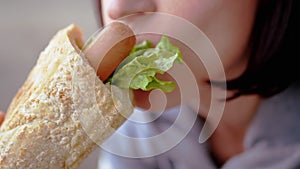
{"points": [[259, 63], [259, 124]]}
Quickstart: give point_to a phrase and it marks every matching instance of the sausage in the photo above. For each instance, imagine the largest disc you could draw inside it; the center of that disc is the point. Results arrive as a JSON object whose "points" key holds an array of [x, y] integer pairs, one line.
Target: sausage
{"points": [[2, 115], [109, 48]]}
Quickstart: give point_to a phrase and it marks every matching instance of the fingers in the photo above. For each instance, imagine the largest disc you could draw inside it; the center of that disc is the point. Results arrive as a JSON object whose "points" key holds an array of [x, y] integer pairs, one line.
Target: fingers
{"points": [[109, 48], [2, 115]]}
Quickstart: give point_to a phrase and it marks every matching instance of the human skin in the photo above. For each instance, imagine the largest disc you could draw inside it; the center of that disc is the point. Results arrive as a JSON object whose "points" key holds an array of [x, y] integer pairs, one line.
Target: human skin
{"points": [[228, 24], [229, 31]]}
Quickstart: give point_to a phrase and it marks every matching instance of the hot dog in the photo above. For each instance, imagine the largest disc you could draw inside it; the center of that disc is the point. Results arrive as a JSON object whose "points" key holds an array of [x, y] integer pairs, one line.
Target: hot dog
{"points": [[109, 48]]}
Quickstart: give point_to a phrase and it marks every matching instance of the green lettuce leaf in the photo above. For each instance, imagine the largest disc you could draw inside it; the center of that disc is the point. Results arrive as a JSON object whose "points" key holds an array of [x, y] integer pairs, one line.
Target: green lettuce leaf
{"points": [[139, 69]]}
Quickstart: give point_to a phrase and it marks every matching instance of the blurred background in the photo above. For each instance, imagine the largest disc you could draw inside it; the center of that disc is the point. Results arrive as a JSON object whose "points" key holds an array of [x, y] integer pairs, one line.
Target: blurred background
{"points": [[26, 27]]}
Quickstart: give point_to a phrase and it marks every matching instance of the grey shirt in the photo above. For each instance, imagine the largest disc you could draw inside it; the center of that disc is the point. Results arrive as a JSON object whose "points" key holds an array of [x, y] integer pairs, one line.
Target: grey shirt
{"points": [[272, 141]]}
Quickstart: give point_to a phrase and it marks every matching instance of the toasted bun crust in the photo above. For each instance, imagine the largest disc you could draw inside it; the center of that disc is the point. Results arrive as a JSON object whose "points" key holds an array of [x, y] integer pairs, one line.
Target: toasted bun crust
{"points": [[61, 111]]}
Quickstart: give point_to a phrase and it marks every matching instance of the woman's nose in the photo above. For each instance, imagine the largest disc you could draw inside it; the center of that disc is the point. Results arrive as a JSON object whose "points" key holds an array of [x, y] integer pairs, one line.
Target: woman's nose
{"points": [[121, 8]]}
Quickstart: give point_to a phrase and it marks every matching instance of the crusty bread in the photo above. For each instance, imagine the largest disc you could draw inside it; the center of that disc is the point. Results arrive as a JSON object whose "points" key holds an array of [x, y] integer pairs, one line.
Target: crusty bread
{"points": [[61, 112]]}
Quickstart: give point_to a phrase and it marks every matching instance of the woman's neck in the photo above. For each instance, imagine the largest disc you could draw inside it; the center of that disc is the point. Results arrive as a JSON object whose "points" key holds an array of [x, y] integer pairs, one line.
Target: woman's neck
{"points": [[228, 139]]}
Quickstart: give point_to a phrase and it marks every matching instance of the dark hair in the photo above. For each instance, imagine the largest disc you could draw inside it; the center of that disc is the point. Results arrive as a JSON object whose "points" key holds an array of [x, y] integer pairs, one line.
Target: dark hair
{"points": [[272, 65]]}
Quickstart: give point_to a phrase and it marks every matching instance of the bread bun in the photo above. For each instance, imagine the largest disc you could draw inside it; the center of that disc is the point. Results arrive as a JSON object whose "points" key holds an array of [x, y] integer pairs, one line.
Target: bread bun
{"points": [[61, 112]]}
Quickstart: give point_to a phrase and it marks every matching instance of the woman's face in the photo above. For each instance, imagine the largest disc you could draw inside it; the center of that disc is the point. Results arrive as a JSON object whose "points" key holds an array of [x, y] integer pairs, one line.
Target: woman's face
{"points": [[227, 23]]}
